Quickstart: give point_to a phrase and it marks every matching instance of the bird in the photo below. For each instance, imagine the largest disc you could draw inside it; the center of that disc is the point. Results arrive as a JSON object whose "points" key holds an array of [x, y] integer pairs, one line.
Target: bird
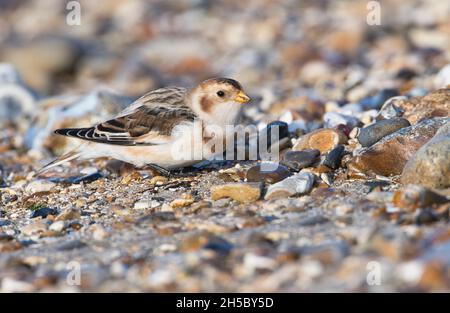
{"points": [[149, 131]]}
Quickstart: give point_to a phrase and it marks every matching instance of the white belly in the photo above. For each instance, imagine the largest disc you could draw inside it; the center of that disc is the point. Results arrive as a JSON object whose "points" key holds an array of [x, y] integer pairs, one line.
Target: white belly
{"points": [[170, 155], [138, 155]]}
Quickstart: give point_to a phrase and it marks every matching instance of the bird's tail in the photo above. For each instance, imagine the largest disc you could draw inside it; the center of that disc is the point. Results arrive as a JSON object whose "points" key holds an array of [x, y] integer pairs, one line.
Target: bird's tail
{"points": [[72, 155]]}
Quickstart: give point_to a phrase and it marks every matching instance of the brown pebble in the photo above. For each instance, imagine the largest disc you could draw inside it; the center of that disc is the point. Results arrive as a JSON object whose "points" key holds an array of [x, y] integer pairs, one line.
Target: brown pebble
{"points": [[324, 140], [242, 192]]}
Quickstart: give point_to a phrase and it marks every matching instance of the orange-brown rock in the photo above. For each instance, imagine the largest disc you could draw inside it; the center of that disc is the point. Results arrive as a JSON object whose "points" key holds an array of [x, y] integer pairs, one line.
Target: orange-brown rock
{"points": [[242, 192], [324, 140], [434, 104], [412, 197], [389, 155]]}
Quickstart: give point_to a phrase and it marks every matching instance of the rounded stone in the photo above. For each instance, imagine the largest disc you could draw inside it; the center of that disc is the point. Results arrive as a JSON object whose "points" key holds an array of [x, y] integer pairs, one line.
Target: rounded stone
{"points": [[334, 157], [373, 133], [430, 166], [257, 173], [324, 140], [412, 197], [298, 184], [242, 192], [297, 160], [43, 212]]}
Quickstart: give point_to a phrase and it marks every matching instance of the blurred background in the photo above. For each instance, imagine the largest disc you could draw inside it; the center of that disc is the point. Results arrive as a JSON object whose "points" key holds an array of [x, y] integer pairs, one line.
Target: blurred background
{"points": [[289, 55], [311, 64]]}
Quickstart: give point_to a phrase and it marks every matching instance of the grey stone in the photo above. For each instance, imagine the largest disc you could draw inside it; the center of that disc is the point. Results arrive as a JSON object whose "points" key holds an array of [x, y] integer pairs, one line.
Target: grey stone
{"points": [[297, 160], [373, 133], [298, 184], [430, 165]]}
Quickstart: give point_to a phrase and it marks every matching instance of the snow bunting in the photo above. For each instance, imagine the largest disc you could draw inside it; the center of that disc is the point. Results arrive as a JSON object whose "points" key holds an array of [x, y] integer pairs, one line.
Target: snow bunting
{"points": [[144, 134]]}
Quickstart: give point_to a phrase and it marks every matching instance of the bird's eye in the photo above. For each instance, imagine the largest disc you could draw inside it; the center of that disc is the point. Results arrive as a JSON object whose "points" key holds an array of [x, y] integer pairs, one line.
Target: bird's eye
{"points": [[220, 93]]}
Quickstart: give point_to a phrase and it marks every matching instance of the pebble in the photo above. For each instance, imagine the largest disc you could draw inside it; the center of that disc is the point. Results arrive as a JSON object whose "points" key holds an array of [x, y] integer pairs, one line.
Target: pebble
{"points": [[40, 186], [368, 117], [389, 242], [17, 109], [290, 116], [313, 220], [425, 217], [241, 192], [43, 212], [218, 245], [334, 157], [327, 253], [181, 203], [296, 160], [9, 74], [333, 119], [406, 74], [34, 228], [442, 79], [391, 109], [373, 133], [98, 232], [324, 140], [166, 208], [205, 240], [258, 173], [433, 104], [327, 178], [146, 204], [280, 132], [411, 271], [10, 285], [57, 226], [344, 209], [69, 214], [351, 109], [430, 166], [71, 245], [298, 184], [253, 262], [354, 133], [389, 155], [9, 244], [71, 111], [79, 203], [412, 197], [199, 206], [233, 174], [376, 101], [158, 180]]}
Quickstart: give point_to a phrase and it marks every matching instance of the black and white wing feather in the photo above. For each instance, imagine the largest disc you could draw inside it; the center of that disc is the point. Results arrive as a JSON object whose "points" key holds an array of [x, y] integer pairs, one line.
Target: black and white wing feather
{"points": [[148, 121]]}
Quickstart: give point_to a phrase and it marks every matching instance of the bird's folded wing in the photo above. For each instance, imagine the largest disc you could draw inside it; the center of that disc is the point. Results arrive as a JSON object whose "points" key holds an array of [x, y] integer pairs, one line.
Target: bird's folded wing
{"points": [[144, 125]]}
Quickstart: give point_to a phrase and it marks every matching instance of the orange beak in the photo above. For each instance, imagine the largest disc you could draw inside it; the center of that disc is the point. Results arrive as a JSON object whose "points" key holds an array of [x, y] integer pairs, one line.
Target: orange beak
{"points": [[242, 97]]}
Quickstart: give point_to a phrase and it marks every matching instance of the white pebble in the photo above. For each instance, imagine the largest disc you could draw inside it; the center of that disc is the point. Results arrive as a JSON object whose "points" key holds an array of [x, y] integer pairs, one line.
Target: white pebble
{"points": [[39, 186]]}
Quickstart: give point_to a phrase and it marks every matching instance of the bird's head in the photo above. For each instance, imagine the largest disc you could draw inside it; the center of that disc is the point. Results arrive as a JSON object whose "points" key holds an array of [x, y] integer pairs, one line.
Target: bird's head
{"points": [[218, 100]]}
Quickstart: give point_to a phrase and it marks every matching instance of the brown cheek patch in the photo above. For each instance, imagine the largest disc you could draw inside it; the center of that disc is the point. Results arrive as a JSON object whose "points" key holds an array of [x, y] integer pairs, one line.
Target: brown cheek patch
{"points": [[206, 104]]}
